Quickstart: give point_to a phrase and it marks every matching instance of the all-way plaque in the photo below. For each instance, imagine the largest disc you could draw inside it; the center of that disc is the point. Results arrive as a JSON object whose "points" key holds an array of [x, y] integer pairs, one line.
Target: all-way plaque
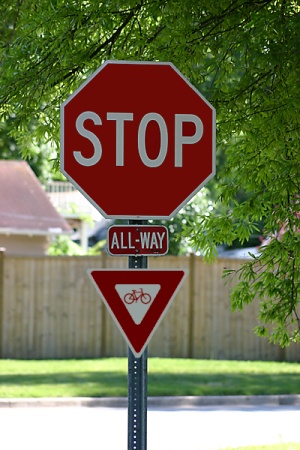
{"points": [[146, 240]]}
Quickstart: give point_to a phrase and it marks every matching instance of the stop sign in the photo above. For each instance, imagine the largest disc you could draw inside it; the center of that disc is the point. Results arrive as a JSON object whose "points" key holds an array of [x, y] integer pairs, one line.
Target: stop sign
{"points": [[137, 139]]}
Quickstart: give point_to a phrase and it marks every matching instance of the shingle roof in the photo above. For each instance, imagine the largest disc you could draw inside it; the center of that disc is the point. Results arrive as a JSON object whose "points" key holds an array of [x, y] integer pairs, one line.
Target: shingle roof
{"points": [[24, 206]]}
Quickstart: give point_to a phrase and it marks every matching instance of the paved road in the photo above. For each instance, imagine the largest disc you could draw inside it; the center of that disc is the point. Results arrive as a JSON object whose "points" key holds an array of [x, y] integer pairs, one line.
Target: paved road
{"points": [[194, 428]]}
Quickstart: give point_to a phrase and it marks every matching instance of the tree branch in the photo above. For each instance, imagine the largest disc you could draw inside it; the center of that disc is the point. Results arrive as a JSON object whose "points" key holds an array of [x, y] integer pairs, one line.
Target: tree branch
{"points": [[108, 42]]}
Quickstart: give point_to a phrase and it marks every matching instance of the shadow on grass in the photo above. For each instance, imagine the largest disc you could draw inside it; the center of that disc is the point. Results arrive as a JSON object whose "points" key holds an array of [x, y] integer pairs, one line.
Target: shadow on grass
{"points": [[224, 384], [81, 384], [93, 384]]}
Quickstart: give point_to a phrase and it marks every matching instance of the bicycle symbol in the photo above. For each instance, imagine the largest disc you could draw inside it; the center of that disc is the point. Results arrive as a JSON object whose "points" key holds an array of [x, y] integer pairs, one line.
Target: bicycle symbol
{"points": [[137, 295]]}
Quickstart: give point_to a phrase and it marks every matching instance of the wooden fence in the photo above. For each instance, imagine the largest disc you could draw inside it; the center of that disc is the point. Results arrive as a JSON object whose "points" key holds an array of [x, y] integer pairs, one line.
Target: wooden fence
{"points": [[49, 308]]}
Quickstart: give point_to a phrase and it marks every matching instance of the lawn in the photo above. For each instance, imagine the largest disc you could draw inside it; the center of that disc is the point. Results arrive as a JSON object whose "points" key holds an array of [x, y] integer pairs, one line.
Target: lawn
{"points": [[107, 377]]}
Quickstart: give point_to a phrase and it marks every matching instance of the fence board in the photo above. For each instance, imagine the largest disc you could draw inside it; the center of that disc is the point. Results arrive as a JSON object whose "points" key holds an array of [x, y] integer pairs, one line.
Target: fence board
{"points": [[50, 309]]}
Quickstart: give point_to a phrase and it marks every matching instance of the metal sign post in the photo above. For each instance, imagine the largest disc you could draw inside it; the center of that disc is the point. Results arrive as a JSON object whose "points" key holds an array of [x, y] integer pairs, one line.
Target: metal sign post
{"points": [[137, 378], [137, 401]]}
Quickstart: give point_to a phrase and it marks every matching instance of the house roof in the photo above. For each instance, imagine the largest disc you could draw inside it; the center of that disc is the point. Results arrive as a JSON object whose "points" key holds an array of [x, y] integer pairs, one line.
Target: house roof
{"points": [[24, 205]]}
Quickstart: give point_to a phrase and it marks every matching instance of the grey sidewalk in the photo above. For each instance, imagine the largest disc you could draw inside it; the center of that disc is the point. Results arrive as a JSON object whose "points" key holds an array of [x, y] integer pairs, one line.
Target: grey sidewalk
{"points": [[153, 402]]}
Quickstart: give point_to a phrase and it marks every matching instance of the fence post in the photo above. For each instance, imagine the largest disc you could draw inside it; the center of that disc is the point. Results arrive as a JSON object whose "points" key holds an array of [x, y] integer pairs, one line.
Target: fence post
{"points": [[2, 253], [281, 353], [191, 305]]}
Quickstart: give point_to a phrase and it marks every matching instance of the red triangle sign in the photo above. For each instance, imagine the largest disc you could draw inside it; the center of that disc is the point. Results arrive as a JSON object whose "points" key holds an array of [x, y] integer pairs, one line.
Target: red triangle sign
{"points": [[137, 299]]}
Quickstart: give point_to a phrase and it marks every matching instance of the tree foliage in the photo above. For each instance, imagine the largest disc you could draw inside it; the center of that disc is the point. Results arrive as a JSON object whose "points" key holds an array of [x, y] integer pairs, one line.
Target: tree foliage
{"points": [[243, 55], [178, 244], [39, 157]]}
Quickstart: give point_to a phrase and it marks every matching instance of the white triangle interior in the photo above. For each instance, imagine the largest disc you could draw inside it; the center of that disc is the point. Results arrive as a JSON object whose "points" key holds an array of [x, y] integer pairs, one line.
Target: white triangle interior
{"points": [[135, 299]]}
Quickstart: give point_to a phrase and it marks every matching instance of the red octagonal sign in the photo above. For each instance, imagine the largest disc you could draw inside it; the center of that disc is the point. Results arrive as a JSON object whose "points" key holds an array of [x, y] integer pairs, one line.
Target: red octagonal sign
{"points": [[137, 139]]}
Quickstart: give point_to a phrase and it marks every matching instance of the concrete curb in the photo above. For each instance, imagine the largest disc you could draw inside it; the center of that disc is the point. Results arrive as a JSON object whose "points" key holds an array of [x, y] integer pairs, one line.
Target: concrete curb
{"points": [[155, 402]]}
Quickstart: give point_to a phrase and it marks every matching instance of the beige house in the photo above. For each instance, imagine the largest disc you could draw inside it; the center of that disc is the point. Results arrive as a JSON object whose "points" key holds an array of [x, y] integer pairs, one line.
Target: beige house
{"points": [[80, 214], [28, 220]]}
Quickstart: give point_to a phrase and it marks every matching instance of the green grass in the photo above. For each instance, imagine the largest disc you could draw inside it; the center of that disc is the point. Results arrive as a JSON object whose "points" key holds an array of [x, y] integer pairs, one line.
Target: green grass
{"points": [[107, 377]]}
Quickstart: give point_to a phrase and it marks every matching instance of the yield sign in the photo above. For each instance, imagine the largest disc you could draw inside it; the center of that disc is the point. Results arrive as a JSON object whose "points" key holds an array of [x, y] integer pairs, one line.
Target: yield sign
{"points": [[137, 300]]}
